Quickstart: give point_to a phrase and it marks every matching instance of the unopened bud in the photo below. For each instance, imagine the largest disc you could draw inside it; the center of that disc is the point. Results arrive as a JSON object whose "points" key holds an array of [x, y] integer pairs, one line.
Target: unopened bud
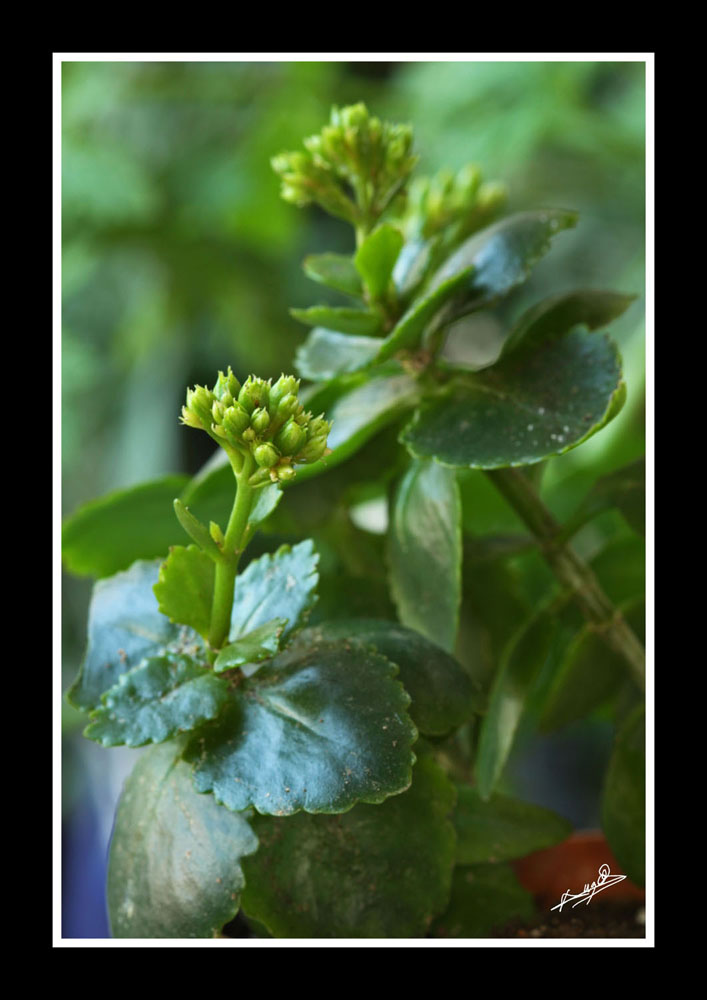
{"points": [[217, 411], [290, 438], [190, 419], [266, 455], [285, 473], [286, 385], [254, 393], [235, 419], [313, 450], [199, 401], [287, 406], [260, 420], [227, 384]]}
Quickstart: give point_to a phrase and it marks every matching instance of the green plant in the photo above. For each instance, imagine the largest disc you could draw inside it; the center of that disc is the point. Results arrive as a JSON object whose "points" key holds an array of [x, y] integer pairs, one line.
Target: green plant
{"points": [[332, 771]]}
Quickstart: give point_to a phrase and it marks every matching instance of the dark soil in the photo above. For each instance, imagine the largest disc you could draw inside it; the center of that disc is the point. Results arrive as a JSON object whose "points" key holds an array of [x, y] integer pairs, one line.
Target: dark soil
{"points": [[589, 920]]}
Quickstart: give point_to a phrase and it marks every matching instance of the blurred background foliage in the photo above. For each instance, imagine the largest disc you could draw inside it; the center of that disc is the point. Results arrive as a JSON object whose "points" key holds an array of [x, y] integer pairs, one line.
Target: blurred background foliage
{"points": [[179, 258]]}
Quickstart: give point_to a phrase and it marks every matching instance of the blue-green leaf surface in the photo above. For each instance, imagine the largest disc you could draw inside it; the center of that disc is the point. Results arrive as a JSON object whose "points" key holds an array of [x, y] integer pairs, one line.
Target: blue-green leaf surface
{"points": [[443, 694], [163, 696], [260, 644], [361, 322], [175, 857], [281, 585], [125, 626], [320, 727], [335, 270], [326, 354]]}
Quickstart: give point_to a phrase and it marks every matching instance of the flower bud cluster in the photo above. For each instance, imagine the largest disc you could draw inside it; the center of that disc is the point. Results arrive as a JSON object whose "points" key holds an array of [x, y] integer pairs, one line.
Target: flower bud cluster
{"points": [[262, 418], [354, 152], [436, 202]]}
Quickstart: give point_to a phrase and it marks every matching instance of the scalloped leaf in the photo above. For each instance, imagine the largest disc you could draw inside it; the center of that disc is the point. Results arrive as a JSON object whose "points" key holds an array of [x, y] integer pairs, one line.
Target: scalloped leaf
{"points": [[624, 803], [483, 897], [501, 256], [319, 727], [529, 407], [124, 627], [425, 552], [521, 663], [376, 872], [185, 588], [175, 858], [106, 535], [362, 322], [503, 828], [376, 257], [335, 270], [163, 696], [326, 354], [260, 644], [443, 695], [278, 585], [558, 314]]}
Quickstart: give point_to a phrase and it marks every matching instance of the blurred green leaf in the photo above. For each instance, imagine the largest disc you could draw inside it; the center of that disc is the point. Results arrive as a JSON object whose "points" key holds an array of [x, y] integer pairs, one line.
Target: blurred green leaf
{"points": [[425, 552], [503, 828], [483, 897], [376, 257], [379, 871], [108, 534], [326, 354], [335, 270], [360, 322], [624, 805]]}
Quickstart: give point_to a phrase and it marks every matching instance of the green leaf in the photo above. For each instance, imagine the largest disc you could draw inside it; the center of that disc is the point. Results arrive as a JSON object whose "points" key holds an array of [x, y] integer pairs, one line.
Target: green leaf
{"points": [[363, 322], [175, 858], [124, 627], [196, 530], [626, 489], [557, 315], [409, 329], [360, 413], [425, 552], [260, 644], [529, 407], [326, 354], [185, 589], [376, 872], [106, 535], [484, 897], [522, 660], [501, 257], [334, 270], [589, 675], [163, 696], [624, 804], [266, 500], [376, 257], [278, 585], [621, 568], [412, 265], [443, 695], [503, 828], [319, 727]]}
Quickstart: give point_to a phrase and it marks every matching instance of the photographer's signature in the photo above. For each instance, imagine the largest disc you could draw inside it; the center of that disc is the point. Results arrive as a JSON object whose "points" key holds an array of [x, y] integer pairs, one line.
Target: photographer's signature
{"points": [[604, 880]]}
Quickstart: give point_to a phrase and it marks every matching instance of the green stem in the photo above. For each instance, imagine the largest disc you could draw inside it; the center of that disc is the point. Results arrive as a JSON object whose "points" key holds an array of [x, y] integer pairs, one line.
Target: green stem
{"points": [[227, 568], [571, 570]]}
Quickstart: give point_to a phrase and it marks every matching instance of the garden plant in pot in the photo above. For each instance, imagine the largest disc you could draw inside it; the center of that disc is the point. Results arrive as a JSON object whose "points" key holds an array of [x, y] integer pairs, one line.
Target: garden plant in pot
{"points": [[327, 719]]}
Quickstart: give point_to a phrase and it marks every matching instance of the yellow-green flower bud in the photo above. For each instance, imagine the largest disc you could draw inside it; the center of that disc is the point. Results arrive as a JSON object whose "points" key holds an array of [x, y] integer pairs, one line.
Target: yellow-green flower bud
{"points": [[217, 412], [248, 434], [287, 406], [199, 401], [254, 393], [318, 427], [260, 420], [290, 438], [266, 455], [227, 383], [235, 420], [286, 385], [313, 450], [259, 478], [190, 419], [285, 473]]}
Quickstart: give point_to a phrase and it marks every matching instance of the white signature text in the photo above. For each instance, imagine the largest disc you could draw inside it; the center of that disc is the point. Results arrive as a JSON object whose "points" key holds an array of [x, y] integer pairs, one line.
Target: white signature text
{"points": [[604, 880]]}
